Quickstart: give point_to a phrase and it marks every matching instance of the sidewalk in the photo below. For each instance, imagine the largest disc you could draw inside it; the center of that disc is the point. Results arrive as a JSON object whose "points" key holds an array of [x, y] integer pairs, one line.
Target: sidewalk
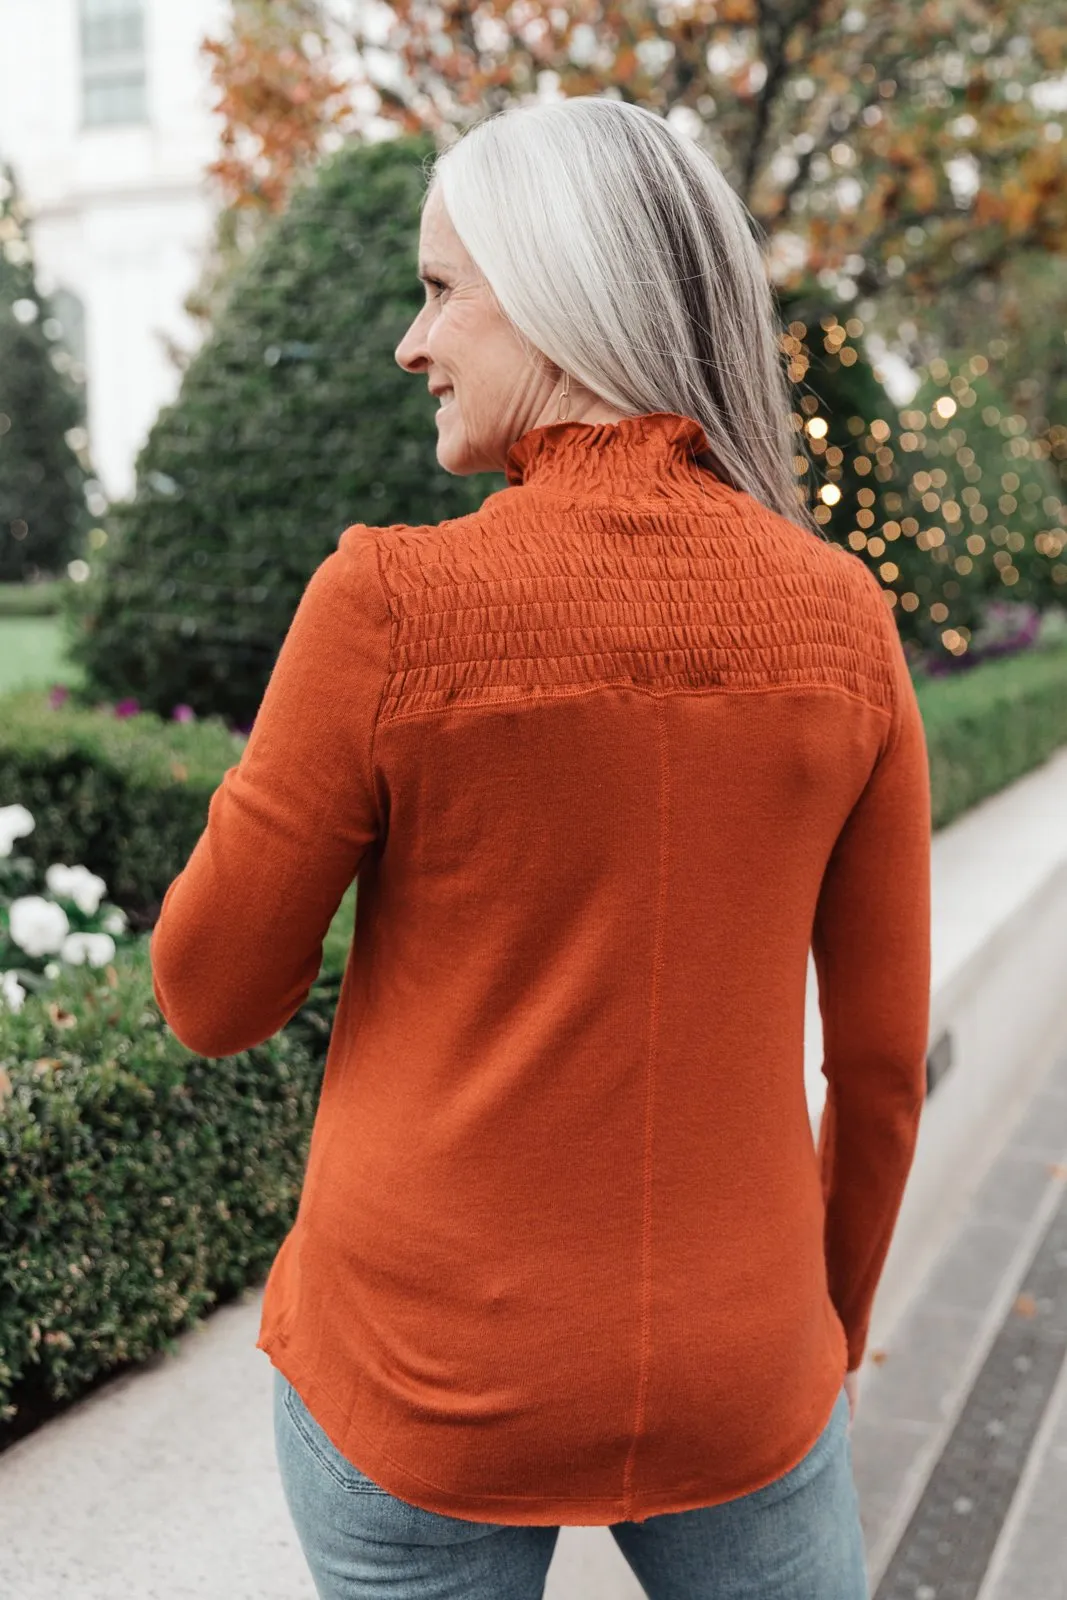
{"points": [[161, 1485], [960, 1441]]}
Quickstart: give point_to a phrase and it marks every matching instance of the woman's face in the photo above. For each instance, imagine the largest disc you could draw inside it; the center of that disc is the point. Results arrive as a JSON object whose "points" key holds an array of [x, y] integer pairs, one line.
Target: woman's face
{"points": [[491, 391]]}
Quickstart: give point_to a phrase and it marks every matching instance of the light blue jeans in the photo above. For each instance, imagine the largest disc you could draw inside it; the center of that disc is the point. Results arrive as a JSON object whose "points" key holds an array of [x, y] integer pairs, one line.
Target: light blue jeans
{"points": [[798, 1538]]}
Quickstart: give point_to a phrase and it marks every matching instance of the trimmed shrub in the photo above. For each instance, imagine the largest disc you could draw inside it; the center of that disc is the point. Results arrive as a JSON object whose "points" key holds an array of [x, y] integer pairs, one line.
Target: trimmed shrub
{"points": [[294, 421], [949, 501], [995, 498], [859, 455], [990, 725], [839, 386], [125, 796], [30, 599], [139, 1183]]}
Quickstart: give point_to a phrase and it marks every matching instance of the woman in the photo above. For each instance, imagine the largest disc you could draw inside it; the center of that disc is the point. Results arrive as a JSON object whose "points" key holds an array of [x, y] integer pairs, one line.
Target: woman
{"points": [[608, 756]]}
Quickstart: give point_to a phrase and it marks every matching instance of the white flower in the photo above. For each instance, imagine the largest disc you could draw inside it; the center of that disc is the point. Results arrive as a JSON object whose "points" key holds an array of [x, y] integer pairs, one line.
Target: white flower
{"points": [[58, 878], [96, 948], [88, 891], [52, 969], [114, 922], [12, 994], [15, 821], [38, 926], [77, 884]]}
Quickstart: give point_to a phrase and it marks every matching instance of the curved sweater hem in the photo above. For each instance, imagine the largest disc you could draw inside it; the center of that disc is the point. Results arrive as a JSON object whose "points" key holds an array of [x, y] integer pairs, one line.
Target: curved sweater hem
{"points": [[541, 1510]]}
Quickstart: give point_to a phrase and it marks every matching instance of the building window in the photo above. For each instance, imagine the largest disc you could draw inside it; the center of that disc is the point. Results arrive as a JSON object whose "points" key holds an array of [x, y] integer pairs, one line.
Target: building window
{"points": [[113, 62]]}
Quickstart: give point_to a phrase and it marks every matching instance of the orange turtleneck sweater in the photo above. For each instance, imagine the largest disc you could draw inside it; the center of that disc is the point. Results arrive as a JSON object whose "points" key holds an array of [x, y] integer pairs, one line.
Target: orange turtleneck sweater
{"points": [[608, 756]]}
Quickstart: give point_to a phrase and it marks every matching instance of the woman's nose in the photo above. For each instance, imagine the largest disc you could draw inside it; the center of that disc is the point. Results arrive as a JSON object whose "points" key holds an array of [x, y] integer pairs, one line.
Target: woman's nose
{"points": [[411, 351]]}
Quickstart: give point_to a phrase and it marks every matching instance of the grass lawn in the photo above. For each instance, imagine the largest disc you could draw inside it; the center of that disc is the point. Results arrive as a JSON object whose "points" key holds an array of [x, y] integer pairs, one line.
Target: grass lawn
{"points": [[31, 654]]}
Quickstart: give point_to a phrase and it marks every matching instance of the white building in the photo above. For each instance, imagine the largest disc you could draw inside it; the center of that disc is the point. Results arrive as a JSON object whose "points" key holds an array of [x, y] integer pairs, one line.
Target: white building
{"points": [[105, 116]]}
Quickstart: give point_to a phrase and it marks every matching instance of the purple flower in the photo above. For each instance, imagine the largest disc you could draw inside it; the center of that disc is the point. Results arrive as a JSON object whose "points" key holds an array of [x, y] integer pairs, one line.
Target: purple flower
{"points": [[1007, 628], [127, 708], [183, 714], [57, 695]]}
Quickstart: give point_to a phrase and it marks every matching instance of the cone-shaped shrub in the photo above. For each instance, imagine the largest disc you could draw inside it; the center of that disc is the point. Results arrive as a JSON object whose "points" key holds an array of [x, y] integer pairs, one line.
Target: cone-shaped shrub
{"points": [[293, 421]]}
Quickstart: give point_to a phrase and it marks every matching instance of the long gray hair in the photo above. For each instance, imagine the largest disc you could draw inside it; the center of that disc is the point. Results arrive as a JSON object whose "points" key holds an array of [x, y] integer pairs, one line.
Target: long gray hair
{"points": [[616, 248]]}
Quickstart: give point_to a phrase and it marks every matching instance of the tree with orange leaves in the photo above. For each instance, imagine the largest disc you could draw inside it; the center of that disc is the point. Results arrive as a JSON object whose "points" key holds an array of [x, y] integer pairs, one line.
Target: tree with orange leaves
{"points": [[282, 99], [911, 144], [278, 95]]}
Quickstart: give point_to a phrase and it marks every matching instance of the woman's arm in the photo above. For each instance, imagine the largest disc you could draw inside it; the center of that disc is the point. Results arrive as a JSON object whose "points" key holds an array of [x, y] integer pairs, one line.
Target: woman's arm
{"points": [[871, 944], [238, 942]]}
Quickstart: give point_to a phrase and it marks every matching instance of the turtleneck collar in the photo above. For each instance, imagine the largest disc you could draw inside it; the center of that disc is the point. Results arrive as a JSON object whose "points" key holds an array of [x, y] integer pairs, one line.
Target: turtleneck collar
{"points": [[636, 454]]}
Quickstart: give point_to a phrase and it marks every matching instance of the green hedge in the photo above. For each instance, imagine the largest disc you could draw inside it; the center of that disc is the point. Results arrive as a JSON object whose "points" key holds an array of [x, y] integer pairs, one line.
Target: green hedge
{"points": [[31, 599], [139, 1182], [293, 421], [988, 726], [125, 796]]}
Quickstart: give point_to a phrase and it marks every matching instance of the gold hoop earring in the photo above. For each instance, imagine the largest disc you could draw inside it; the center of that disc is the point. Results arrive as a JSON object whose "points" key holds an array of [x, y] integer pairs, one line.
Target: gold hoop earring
{"points": [[563, 410]]}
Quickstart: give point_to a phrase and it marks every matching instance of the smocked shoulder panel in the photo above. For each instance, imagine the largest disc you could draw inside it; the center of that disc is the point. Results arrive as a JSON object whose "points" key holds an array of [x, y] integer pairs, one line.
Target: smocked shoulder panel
{"points": [[524, 599], [615, 556]]}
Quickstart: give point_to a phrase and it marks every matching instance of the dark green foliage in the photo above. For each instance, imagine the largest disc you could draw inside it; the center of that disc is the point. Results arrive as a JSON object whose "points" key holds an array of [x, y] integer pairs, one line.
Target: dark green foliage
{"points": [[994, 485], [990, 725], [138, 1182], [835, 390], [934, 503], [30, 599], [840, 388], [294, 421], [43, 517], [128, 795], [1018, 321]]}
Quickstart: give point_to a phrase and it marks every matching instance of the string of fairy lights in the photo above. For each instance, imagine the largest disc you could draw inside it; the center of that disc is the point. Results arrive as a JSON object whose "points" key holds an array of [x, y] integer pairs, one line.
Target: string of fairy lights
{"points": [[942, 506]]}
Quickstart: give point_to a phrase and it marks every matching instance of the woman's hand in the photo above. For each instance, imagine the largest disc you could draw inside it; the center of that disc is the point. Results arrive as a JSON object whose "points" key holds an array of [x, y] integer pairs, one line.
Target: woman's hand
{"points": [[852, 1390]]}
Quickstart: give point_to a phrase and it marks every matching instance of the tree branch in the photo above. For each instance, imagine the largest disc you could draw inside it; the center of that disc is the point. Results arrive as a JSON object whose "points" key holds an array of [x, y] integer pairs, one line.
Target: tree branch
{"points": [[773, 32], [870, 44]]}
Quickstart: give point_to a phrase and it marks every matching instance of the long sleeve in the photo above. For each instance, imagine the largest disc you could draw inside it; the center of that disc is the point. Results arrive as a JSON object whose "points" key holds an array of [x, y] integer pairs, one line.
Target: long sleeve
{"points": [[871, 944], [238, 942]]}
